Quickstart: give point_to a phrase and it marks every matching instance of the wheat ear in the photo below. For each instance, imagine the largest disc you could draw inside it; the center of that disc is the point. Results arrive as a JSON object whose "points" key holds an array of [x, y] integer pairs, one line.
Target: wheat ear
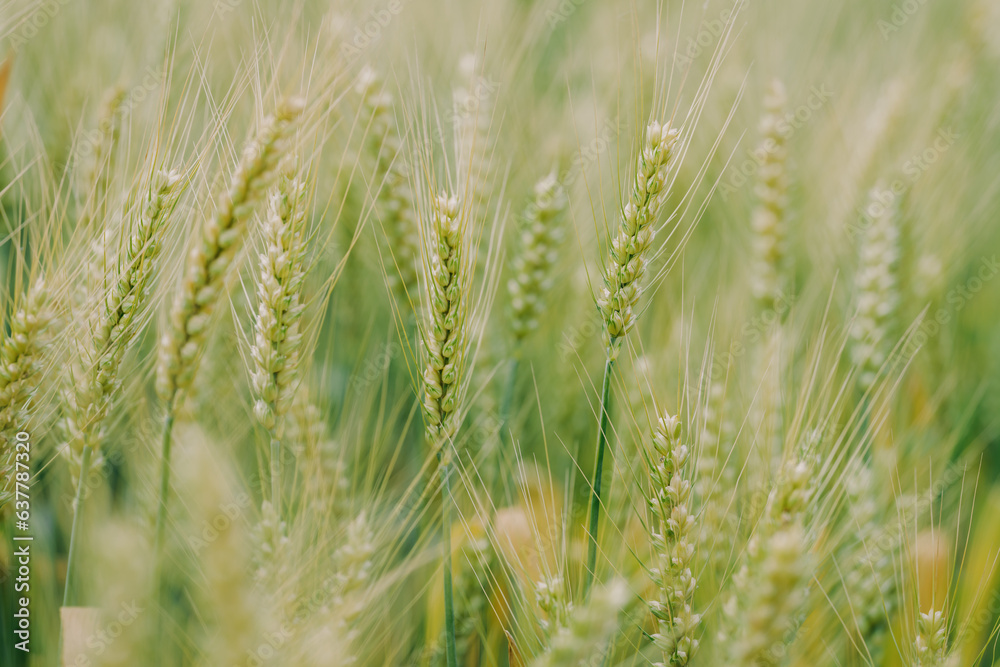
{"points": [[932, 639], [113, 324], [587, 627], [206, 271], [629, 252], [773, 598], [112, 329], [444, 342], [768, 221], [870, 583], [444, 334], [394, 199], [275, 352], [20, 357], [541, 234], [670, 504], [877, 288], [472, 109], [771, 585], [623, 273]]}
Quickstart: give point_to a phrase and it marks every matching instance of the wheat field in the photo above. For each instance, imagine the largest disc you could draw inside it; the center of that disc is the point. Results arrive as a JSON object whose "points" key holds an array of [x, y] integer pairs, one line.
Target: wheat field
{"points": [[516, 333]]}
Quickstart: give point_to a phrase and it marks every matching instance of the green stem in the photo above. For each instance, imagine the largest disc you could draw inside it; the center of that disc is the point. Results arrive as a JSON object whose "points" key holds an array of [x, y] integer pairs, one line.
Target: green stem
{"points": [[508, 396], [595, 499], [276, 477], [449, 603], [74, 545], [161, 514], [505, 403]]}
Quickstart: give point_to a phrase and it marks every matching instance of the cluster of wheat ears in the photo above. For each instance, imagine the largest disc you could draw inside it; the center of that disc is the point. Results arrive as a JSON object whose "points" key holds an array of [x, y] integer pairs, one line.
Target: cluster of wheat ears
{"points": [[434, 332]]}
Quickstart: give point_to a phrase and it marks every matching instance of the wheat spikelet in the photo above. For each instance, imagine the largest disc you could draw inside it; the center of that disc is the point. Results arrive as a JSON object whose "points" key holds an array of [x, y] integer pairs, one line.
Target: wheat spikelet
{"points": [[394, 199], [773, 599], [770, 586], [353, 563], [877, 288], [713, 478], [444, 332], [113, 324], [768, 221], [671, 505], [551, 599], [870, 582], [540, 236], [271, 542], [209, 261], [932, 639], [280, 276], [21, 353], [626, 264], [588, 627], [107, 134]]}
